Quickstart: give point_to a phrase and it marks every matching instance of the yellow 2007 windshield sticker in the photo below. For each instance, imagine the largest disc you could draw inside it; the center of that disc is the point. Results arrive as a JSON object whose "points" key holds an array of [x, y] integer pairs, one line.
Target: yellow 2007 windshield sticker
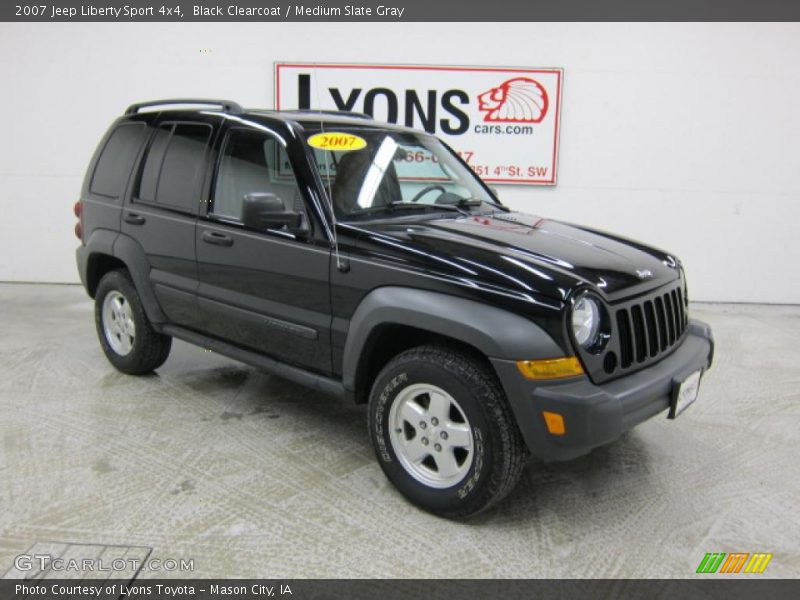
{"points": [[337, 141]]}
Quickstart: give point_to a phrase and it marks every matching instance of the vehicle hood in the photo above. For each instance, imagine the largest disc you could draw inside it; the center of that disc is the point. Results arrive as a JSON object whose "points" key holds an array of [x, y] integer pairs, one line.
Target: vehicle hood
{"points": [[523, 252]]}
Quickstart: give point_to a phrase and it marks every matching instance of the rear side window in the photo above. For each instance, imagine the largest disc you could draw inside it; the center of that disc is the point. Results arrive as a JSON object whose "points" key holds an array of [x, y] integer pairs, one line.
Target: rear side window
{"points": [[172, 175], [115, 162]]}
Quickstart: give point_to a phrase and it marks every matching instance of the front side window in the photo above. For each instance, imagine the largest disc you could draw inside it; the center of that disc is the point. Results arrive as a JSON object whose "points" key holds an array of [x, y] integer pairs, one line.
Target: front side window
{"points": [[253, 162], [392, 169], [173, 172]]}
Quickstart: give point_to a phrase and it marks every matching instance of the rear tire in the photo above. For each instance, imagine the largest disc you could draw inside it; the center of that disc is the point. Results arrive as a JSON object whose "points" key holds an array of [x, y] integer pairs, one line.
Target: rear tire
{"points": [[128, 339], [443, 431]]}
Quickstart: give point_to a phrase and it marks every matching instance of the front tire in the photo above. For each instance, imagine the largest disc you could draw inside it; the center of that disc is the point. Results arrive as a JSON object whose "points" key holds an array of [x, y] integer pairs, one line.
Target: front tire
{"points": [[443, 431], [128, 339]]}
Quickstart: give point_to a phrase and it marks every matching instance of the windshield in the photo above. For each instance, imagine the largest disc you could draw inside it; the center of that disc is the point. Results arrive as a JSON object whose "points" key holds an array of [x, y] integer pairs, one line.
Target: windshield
{"points": [[378, 174]]}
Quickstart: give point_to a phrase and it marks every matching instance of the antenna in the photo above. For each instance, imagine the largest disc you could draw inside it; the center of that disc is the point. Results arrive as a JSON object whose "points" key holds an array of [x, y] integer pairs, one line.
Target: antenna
{"points": [[342, 265]]}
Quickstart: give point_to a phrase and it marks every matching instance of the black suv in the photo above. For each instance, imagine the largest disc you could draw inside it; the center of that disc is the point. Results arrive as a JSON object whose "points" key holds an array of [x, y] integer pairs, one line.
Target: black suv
{"points": [[368, 261]]}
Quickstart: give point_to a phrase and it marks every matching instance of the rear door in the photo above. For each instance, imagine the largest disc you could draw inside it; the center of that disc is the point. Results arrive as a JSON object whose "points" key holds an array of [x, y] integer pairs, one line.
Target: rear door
{"points": [[162, 212], [264, 290]]}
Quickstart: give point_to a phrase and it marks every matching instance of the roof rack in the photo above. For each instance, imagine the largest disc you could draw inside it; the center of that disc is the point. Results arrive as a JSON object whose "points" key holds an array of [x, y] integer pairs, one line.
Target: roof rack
{"points": [[341, 113], [229, 106]]}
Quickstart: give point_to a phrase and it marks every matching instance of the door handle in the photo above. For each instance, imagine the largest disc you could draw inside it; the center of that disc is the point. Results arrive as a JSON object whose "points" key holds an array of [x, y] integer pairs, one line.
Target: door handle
{"points": [[133, 218], [218, 239]]}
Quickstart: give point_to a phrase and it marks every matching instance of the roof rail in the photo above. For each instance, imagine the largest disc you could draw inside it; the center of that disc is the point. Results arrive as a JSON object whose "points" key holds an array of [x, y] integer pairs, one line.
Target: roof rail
{"points": [[229, 106], [341, 113]]}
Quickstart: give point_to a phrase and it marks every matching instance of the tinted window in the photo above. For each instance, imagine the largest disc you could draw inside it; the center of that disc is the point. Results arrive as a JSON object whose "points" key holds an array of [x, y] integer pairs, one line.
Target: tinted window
{"points": [[152, 166], [116, 160], [174, 169], [253, 161]]}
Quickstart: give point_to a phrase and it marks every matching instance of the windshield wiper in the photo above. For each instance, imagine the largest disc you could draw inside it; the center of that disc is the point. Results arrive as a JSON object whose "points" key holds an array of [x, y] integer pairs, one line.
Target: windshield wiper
{"points": [[404, 205], [465, 202]]}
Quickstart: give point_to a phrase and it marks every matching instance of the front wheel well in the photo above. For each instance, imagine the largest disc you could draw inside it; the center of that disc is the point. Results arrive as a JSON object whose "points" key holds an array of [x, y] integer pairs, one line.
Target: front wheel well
{"points": [[97, 266], [388, 340]]}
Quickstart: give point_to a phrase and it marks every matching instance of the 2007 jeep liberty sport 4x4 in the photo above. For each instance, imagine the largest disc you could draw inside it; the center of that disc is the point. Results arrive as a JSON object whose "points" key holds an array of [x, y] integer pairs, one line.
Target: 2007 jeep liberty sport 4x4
{"points": [[368, 261]]}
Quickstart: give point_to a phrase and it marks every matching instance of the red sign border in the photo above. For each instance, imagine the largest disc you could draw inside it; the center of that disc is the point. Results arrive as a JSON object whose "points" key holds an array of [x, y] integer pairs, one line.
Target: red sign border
{"points": [[555, 70]]}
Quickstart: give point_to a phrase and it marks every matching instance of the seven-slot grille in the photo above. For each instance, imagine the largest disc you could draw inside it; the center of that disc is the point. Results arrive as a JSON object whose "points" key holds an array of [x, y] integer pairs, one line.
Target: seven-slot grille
{"points": [[650, 327]]}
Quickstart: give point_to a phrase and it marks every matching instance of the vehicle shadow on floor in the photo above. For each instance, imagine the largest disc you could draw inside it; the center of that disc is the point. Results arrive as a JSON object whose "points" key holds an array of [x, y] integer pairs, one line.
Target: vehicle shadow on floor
{"points": [[260, 394], [610, 481], [607, 478]]}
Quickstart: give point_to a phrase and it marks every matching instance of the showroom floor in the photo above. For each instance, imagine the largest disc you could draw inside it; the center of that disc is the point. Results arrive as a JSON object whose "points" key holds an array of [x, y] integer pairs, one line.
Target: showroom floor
{"points": [[249, 475]]}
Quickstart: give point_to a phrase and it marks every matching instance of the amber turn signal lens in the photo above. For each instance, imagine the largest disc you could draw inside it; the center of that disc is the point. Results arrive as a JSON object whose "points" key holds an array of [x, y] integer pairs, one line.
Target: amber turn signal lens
{"points": [[554, 422], [550, 368]]}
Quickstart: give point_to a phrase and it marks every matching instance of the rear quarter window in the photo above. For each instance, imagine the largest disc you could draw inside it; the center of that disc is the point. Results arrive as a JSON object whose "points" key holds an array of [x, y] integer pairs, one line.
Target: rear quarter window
{"points": [[116, 160]]}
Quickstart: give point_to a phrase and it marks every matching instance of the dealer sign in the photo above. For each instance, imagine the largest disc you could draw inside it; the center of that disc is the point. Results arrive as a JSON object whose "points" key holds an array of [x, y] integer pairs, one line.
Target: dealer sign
{"points": [[502, 121]]}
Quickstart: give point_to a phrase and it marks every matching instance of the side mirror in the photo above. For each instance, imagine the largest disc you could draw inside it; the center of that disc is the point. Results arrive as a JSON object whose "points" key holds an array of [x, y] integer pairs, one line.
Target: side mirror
{"points": [[262, 210]]}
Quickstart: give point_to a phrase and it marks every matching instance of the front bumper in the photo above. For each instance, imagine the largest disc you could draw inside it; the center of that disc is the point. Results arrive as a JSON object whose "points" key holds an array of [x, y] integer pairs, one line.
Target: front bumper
{"points": [[595, 415]]}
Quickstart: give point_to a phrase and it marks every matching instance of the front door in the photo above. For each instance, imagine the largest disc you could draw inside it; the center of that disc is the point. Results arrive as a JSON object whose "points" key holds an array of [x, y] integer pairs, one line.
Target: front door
{"points": [[263, 290]]}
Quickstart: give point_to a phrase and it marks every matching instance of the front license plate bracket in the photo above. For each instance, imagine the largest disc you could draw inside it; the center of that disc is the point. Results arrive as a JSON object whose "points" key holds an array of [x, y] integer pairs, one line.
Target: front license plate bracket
{"points": [[684, 393]]}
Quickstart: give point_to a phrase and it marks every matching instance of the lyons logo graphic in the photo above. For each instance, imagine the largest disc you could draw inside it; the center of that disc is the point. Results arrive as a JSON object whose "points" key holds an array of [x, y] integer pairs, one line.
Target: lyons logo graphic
{"points": [[518, 100], [735, 562], [503, 121]]}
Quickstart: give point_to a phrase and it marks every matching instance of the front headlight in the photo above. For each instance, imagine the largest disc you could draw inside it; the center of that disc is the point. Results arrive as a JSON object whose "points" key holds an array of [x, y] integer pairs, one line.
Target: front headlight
{"points": [[586, 321]]}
